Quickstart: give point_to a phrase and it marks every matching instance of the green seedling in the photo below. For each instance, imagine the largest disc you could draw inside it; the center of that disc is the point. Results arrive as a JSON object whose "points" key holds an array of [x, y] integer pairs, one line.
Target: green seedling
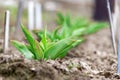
{"points": [[57, 43], [78, 26], [45, 49]]}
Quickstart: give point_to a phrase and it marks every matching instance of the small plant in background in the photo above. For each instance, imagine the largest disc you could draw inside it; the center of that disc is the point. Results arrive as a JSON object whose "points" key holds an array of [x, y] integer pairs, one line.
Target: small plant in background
{"points": [[78, 26], [72, 27], [45, 49]]}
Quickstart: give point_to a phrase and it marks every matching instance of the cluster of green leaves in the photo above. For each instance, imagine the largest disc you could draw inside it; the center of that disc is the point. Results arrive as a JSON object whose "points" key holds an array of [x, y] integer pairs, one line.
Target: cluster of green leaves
{"points": [[57, 43], [45, 49], [69, 26]]}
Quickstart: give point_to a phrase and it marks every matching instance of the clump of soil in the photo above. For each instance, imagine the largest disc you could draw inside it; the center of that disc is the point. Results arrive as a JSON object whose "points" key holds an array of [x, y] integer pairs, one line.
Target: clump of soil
{"points": [[92, 60]]}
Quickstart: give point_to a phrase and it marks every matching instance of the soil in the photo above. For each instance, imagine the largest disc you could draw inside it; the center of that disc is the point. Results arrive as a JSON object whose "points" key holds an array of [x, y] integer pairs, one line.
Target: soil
{"points": [[92, 60]]}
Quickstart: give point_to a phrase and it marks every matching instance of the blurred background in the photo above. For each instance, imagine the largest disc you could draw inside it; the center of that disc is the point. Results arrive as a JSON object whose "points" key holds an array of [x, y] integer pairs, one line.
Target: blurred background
{"points": [[82, 8]]}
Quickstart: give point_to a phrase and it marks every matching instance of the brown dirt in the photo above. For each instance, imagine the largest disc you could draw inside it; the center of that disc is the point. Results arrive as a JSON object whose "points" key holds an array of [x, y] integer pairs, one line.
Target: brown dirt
{"points": [[92, 60]]}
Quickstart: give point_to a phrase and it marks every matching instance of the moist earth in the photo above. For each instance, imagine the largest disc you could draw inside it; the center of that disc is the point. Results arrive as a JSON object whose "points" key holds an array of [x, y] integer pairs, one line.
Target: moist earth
{"points": [[92, 60]]}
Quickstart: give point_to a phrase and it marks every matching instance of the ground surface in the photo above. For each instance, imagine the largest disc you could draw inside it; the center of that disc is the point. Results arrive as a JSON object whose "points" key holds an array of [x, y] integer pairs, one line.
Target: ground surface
{"points": [[92, 60]]}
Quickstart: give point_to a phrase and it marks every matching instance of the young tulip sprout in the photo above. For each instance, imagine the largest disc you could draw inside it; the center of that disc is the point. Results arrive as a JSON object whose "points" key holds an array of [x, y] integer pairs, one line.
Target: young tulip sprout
{"points": [[111, 27], [38, 16], [31, 15], [6, 30]]}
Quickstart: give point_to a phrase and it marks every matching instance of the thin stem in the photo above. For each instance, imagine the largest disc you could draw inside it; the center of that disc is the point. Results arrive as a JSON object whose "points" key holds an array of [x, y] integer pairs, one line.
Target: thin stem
{"points": [[112, 27]]}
